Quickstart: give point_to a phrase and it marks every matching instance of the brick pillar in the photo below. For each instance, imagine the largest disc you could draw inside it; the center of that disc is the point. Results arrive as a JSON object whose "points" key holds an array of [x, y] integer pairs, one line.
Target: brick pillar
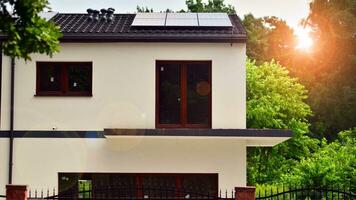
{"points": [[245, 193], [16, 192]]}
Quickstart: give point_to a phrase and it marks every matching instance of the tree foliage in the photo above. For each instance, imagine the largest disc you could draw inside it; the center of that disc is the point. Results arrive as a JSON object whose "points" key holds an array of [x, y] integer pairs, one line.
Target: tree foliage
{"points": [[26, 32], [328, 71], [257, 41], [269, 38], [333, 165], [210, 6], [333, 71], [276, 100], [142, 9]]}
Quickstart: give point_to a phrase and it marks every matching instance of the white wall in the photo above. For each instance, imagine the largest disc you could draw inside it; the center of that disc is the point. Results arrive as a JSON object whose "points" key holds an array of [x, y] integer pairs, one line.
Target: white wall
{"points": [[4, 164], [123, 87], [123, 97], [38, 160]]}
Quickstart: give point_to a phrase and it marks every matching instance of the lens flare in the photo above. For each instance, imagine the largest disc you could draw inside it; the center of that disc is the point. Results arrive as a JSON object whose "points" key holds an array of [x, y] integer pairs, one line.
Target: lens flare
{"points": [[305, 41]]}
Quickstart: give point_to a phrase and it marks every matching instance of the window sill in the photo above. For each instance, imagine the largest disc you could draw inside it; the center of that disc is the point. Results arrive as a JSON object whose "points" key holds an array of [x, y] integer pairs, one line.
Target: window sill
{"points": [[63, 95]]}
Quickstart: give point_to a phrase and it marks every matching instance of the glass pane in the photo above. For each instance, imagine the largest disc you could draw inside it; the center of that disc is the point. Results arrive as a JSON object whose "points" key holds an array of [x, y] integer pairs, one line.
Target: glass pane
{"points": [[79, 77], [124, 186], [159, 186], [169, 93], [84, 188], [195, 186], [68, 185], [198, 94], [50, 77]]}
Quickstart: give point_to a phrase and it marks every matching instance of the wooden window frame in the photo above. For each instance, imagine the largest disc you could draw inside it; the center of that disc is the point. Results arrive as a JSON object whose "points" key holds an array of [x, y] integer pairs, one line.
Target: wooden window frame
{"points": [[183, 111], [64, 91]]}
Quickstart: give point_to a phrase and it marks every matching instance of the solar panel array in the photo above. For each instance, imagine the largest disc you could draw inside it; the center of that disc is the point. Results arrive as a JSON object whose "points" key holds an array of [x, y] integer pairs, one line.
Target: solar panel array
{"points": [[182, 20]]}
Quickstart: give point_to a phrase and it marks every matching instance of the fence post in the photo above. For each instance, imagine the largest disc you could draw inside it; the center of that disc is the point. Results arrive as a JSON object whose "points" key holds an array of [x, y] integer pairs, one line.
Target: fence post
{"points": [[16, 192], [245, 193]]}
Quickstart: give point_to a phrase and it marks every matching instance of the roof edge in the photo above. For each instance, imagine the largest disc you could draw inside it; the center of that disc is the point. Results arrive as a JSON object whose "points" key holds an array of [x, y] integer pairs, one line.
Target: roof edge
{"points": [[162, 39], [282, 133]]}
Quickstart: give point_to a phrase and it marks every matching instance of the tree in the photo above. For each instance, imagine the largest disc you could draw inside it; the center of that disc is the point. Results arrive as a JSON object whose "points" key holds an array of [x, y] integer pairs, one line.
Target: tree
{"points": [[269, 38], [142, 9], [328, 71], [276, 100], [210, 6], [333, 73], [333, 165], [25, 31], [281, 41], [257, 41]]}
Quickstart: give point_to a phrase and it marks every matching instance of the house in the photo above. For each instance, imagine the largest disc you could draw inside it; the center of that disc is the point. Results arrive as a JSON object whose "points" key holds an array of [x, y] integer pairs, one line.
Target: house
{"points": [[131, 100]]}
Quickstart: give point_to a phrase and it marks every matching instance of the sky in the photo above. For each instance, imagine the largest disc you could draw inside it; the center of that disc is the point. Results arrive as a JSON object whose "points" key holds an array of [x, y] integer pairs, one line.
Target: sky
{"points": [[290, 10]]}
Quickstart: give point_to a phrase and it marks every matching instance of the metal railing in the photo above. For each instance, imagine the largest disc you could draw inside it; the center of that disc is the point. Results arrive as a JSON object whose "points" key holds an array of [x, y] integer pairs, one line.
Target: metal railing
{"points": [[300, 193], [134, 193]]}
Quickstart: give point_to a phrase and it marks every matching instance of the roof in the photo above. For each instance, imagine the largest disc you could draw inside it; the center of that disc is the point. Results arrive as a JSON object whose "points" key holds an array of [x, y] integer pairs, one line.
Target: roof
{"points": [[77, 27]]}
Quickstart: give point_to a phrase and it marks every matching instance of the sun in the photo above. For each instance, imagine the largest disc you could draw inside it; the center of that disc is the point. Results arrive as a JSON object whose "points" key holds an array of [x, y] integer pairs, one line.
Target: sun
{"points": [[304, 40]]}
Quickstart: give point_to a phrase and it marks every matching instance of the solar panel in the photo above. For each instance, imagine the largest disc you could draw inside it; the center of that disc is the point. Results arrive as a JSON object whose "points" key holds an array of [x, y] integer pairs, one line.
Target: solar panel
{"points": [[149, 22], [182, 19], [214, 20], [150, 19], [212, 15], [182, 16], [151, 15]]}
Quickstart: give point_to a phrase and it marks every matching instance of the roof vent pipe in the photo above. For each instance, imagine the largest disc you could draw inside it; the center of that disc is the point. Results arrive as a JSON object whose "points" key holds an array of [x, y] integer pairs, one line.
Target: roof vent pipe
{"points": [[96, 15], [90, 13], [110, 14], [103, 14]]}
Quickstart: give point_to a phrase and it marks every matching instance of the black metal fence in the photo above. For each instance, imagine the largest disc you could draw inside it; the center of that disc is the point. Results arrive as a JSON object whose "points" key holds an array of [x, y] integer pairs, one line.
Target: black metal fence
{"points": [[300, 193], [134, 193]]}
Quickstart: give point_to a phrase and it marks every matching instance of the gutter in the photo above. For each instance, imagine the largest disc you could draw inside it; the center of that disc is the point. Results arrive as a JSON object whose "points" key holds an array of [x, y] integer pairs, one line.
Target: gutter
{"points": [[12, 97]]}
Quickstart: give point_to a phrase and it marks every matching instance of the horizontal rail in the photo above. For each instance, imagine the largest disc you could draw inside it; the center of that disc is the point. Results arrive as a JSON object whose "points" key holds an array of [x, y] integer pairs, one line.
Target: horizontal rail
{"points": [[309, 192], [134, 193]]}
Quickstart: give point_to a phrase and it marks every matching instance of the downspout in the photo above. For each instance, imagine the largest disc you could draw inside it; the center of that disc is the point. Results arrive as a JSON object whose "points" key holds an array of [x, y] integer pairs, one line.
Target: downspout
{"points": [[0, 79], [12, 97]]}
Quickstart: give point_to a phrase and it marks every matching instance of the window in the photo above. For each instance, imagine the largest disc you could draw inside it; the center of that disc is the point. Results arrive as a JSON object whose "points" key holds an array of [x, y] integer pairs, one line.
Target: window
{"points": [[64, 79], [183, 96], [137, 185]]}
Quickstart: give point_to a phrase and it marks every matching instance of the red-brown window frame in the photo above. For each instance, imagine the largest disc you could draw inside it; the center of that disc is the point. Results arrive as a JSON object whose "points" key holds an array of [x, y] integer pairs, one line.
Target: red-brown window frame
{"points": [[183, 111], [63, 80]]}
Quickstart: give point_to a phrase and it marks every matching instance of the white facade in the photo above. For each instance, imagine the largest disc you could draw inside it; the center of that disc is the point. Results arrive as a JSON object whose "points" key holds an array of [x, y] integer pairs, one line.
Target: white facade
{"points": [[123, 87], [124, 97], [38, 161]]}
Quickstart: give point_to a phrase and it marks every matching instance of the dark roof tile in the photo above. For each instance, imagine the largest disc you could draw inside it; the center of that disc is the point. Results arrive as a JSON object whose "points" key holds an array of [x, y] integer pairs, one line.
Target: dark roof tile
{"points": [[77, 27]]}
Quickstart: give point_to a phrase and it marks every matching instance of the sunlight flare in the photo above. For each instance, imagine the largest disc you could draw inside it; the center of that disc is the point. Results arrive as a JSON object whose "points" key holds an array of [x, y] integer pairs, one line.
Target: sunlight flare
{"points": [[305, 42]]}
